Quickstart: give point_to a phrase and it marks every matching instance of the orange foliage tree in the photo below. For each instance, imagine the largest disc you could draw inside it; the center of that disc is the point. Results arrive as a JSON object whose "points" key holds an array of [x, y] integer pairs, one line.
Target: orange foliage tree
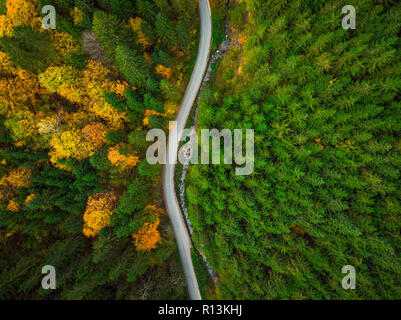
{"points": [[77, 144], [147, 237], [99, 210], [163, 71], [13, 206], [95, 134], [16, 179], [120, 160], [19, 93], [77, 16], [19, 12], [7, 67], [149, 113]]}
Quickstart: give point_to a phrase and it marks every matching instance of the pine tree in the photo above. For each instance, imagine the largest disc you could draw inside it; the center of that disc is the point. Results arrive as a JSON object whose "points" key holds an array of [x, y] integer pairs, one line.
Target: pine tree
{"points": [[110, 34], [133, 66], [28, 48], [183, 35], [165, 30]]}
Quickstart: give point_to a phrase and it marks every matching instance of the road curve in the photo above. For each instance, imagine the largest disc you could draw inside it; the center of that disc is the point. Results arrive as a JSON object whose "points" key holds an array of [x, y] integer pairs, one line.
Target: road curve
{"points": [[170, 197]]}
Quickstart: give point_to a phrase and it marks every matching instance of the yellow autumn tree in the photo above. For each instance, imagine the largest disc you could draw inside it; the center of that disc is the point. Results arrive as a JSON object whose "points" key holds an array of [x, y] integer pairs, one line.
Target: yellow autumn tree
{"points": [[242, 39], [95, 134], [77, 144], [7, 67], [163, 71], [19, 93], [19, 12], [65, 81], [22, 127], [13, 206], [136, 26], [318, 141], [149, 113], [120, 160], [96, 79], [148, 57], [64, 43], [77, 16], [5, 26], [15, 180], [80, 118], [87, 88], [151, 208], [171, 107], [29, 198], [147, 237], [99, 209], [69, 144]]}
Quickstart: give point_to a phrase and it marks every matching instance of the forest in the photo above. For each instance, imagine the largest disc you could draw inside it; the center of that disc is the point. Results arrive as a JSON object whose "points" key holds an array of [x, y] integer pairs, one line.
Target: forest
{"points": [[325, 104], [76, 102]]}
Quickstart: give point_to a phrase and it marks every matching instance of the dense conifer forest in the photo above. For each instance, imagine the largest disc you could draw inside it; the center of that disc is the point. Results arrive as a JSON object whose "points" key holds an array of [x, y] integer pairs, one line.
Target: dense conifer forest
{"points": [[325, 106], [76, 102]]}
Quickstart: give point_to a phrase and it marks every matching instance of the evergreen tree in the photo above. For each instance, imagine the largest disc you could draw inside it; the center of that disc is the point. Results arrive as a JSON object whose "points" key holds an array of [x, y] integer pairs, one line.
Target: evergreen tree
{"points": [[133, 66], [183, 35], [165, 30], [110, 34], [29, 49]]}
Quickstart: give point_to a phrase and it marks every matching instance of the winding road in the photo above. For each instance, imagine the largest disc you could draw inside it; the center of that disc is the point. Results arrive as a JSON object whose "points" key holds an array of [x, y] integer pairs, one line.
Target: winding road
{"points": [[170, 196]]}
